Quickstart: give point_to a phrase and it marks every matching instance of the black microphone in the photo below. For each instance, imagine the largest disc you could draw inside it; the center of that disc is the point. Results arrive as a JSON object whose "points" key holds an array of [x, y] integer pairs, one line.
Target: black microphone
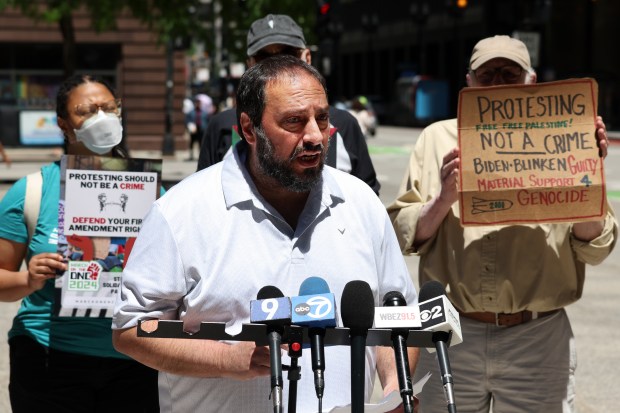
{"points": [[430, 290], [269, 296], [357, 307], [399, 343]]}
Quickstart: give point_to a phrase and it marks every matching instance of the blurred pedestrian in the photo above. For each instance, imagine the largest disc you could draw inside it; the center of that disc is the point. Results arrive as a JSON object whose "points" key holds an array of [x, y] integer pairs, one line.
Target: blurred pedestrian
{"points": [[206, 103], [510, 283], [64, 364], [188, 106], [279, 34], [196, 121], [365, 118]]}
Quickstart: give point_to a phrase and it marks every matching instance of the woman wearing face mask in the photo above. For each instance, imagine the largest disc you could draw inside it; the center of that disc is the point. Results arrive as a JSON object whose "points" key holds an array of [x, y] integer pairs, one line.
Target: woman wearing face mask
{"points": [[64, 363]]}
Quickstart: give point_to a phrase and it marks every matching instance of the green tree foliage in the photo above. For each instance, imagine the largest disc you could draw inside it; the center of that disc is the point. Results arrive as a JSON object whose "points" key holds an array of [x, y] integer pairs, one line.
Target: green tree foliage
{"points": [[168, 19]]}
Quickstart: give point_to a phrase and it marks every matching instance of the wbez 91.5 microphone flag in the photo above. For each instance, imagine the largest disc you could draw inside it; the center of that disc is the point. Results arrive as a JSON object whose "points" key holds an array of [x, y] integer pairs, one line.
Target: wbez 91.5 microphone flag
{"points": [[274, 310]]}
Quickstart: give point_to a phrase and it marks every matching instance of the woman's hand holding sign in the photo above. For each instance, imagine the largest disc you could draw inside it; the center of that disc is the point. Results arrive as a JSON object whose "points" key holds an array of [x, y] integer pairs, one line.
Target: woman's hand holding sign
{"points": [[42, 267]]}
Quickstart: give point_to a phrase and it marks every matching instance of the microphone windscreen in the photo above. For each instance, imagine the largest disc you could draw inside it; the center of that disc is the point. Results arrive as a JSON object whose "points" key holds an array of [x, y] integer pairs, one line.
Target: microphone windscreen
{"points": [[313, 285], [394, 299], [431, 289], [269, 291], [357, 306]]}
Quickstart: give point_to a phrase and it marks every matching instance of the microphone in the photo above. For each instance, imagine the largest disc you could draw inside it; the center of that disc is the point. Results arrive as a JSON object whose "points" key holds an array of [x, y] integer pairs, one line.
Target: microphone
{"points": [[438, 314], [395, 299], [438, 320], [357, 310], [315, 308], [273, 309]]}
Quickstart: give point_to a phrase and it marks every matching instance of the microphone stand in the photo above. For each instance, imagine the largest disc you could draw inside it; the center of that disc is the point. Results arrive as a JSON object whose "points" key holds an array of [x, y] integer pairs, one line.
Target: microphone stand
{"points": [[294, 372], [402, 368], [440, 338], [358, 366]]}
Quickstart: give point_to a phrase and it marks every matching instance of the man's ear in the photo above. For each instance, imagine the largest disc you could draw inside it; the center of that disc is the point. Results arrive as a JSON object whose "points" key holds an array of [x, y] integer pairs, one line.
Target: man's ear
{"points": [[306, 56], [533, 77], [468, 79], [247, 129]]}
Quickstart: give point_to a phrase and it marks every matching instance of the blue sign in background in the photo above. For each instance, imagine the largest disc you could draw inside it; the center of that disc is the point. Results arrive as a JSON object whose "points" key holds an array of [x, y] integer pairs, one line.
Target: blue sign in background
{"points": [[38, 127]]}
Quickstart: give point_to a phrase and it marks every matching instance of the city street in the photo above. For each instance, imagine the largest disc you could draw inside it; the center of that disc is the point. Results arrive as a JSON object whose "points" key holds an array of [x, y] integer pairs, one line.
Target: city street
{"points": [[595, 318]]}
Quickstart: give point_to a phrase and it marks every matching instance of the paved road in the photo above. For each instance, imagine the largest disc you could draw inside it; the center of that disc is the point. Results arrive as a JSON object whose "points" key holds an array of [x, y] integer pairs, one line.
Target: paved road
{"points": [[595, 318]]}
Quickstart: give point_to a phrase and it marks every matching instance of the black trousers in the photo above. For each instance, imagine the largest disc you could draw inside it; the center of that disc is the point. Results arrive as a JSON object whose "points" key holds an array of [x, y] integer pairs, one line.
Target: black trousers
{"points": [[47, 380]]}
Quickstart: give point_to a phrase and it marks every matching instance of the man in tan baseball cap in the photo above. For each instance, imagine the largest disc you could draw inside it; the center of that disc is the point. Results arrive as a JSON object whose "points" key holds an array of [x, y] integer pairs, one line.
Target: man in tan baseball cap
{"points": [[509, 282], [500, 60]]}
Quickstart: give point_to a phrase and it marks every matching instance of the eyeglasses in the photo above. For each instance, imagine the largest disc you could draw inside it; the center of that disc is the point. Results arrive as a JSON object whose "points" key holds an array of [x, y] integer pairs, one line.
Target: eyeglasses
{"points": [[509, 74], [288, 50], [86, 110]]}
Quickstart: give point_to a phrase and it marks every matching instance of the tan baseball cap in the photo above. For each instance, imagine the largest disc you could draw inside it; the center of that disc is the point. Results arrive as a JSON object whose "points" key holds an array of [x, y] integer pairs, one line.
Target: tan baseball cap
{"points": [[499, 46]]}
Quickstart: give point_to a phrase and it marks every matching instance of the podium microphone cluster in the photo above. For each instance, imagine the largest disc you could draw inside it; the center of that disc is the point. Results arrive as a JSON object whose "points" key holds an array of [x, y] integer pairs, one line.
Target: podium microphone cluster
{"points": [[358, 312]]}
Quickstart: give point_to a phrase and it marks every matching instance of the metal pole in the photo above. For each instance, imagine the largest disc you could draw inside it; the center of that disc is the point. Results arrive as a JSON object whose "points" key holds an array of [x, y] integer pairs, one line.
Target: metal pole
{"points": [[168, 144]]}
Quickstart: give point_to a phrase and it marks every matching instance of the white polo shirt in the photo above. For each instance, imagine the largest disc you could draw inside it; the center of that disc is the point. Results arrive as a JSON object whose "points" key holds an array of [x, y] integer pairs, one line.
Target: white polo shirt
{"points": [[212, 242]]}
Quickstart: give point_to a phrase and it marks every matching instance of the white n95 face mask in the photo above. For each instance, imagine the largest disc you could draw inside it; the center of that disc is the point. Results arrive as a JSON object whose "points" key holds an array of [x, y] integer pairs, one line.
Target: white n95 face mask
{"points": [[100, 133]]}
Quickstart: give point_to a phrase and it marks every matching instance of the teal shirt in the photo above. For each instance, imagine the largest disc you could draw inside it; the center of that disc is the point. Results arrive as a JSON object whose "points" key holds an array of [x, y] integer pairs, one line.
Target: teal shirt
{"points": [[79, 335]]}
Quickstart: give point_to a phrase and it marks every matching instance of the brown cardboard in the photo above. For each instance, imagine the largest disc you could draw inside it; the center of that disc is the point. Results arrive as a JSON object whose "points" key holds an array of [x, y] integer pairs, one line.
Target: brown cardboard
{"points": [[529, 154]]}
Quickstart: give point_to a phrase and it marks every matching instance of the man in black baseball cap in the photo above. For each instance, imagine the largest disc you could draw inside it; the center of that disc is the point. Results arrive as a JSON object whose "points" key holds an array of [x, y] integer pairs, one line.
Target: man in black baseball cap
{"points": [[277, 34], [275, 30]]}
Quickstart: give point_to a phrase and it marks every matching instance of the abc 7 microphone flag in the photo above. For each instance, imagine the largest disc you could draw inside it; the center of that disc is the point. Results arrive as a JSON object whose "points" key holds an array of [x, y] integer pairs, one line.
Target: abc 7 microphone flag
{"points": [[317, 309]]}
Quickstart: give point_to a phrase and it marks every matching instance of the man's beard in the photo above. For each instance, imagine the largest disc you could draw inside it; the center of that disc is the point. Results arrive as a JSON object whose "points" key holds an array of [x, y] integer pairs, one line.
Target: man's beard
{"points": [[281, 170]]}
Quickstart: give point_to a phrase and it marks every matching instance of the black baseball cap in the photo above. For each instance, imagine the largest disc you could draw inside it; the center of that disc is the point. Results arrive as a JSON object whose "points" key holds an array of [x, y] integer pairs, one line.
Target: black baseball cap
{"points": [[274, 29]]}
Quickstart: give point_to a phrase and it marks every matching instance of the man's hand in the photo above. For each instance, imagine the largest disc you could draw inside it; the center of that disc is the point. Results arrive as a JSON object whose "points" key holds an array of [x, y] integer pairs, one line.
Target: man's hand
{"points": [[601, 137], [449, 175], [587, 231], [434, 211], [236, 367], [399, 409]]}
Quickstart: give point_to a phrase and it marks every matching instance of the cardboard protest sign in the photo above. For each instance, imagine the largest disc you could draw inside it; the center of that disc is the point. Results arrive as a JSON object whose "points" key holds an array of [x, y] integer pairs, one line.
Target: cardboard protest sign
{"points": [[102, 204], [529, 154]]}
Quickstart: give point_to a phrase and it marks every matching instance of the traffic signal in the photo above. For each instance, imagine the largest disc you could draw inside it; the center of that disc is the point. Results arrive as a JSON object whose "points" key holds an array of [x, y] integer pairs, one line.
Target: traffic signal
{"points": [[323, 18], [461, 4], [324, 7]]}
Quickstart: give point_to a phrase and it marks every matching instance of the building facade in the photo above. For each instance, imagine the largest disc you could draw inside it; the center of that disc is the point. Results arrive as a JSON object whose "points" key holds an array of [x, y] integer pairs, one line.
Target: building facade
{"points": [[31, 69], [378, 49]]}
